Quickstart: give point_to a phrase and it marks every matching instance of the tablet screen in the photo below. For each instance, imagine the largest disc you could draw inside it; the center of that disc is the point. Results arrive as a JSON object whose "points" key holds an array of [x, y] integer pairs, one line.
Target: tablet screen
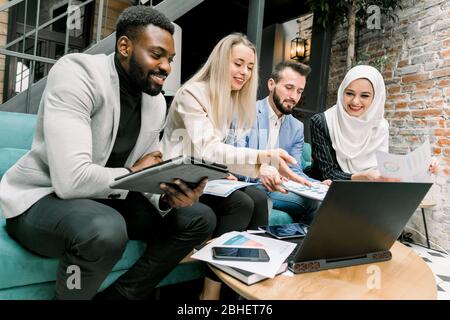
{"points": [[292, 230]]}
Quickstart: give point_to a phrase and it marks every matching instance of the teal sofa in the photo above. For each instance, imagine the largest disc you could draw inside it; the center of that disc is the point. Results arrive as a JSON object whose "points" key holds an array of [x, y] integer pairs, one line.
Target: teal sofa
{"points": [[25, 275]]}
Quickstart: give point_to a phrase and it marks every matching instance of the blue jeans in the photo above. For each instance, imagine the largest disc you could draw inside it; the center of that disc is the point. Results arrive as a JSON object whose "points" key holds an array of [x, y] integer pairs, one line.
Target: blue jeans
{"points": [[301, 209]]}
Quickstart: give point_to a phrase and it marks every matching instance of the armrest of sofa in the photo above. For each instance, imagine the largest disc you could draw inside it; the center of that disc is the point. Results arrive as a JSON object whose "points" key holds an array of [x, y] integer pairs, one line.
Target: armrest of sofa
{"points": [[8, 157], [306, 155]]}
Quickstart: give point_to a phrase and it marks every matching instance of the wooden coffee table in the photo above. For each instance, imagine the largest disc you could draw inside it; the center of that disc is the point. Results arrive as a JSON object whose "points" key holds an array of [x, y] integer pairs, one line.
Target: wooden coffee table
{"points": [[406, 276]]}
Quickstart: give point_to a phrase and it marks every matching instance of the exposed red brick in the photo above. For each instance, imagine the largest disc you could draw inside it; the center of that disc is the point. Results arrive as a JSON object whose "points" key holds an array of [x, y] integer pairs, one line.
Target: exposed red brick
{"points": [[437, 151], [389, 106], [436, 94], [377, 54], [416, 104], [426, 113], [425, 85], [435, 104], [401, 105], [388, 75], [401, 114], [413, 139], [408, 88], [373, 46], [397, 123], [393, 90], [443, 83], [447, 152], [444, 142], [446, 43], [415, 77], [397, 97], [441, 73], [420, 122], [418, 94], [402, 63], [445, 53], [446, 171], [434, 123], [442, 132]]}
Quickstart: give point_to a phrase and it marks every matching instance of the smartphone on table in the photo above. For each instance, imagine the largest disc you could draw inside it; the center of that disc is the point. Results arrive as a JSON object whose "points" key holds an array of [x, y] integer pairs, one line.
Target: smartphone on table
{"points": [[240, 254]]}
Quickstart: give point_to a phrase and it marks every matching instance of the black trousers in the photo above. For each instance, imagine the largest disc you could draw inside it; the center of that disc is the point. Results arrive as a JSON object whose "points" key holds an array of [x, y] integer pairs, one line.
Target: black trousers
{"points": [[244, 209], [92, 235]]}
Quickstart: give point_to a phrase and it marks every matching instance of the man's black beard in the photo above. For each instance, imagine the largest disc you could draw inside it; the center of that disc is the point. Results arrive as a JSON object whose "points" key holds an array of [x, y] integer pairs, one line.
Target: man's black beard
{"points": [[279, 104], [143, 81]]}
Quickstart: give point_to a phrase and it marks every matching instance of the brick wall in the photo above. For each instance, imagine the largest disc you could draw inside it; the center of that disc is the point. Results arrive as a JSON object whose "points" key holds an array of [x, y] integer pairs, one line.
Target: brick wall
{"points": [[413, 55], [3, 38], [115, 8]]}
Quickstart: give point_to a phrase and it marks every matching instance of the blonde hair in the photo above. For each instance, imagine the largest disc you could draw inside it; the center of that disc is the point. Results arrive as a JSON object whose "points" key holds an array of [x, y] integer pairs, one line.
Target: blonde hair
{"points": [[227, 105]]}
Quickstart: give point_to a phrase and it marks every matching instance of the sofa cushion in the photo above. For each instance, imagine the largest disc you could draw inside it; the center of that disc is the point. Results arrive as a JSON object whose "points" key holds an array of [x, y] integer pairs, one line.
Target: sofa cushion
{"points": [[21, 267], [306, 155], [279, 217], [9, 156], [16, 130]]}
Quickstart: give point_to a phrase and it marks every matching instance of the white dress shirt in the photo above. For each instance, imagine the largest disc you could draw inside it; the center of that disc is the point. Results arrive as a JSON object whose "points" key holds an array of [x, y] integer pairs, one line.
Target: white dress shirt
{"points": [[274, 129]]}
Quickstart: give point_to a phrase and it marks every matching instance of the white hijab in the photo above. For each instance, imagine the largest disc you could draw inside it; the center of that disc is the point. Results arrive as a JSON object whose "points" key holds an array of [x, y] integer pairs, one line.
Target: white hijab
{"points": [[355, 139]]}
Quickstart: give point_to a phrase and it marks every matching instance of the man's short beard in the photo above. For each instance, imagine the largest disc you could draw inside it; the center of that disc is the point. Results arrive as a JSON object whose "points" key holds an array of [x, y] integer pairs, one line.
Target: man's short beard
{"points": [[142, 80], [279, 104]]}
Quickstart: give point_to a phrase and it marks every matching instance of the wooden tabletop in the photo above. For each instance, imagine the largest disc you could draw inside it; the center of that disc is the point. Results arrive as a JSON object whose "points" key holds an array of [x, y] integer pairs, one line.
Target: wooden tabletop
{"points": [[406, 276]]}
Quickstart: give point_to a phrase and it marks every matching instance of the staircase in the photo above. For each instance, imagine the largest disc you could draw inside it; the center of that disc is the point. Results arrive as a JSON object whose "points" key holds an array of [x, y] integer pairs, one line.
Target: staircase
{"points": [[28, 101]]}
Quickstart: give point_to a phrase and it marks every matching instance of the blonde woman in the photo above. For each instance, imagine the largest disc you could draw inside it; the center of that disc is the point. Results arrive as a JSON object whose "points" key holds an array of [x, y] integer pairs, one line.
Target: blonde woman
{"points": [[223, 92]]}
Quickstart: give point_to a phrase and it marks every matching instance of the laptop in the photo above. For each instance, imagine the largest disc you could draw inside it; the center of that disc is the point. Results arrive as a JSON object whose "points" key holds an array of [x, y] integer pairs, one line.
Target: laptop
{"points": [[357, 223]]}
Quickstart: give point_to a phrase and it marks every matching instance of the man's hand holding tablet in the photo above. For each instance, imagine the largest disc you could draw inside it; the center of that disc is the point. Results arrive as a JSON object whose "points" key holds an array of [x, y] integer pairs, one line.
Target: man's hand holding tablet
{"points": [[180, 194]]}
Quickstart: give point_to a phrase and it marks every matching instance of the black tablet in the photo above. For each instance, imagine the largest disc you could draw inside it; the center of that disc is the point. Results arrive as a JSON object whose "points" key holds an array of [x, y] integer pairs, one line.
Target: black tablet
{"points": [[189, 169], [285, 231]]}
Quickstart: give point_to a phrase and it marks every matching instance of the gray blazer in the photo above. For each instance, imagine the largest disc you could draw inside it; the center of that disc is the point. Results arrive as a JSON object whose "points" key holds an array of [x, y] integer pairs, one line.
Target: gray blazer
{"points": [[76, 128]]}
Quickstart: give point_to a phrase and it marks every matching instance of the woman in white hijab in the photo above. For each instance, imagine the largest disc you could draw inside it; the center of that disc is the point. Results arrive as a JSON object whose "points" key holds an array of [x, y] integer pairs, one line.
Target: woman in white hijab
{"points": [[345, 137]]}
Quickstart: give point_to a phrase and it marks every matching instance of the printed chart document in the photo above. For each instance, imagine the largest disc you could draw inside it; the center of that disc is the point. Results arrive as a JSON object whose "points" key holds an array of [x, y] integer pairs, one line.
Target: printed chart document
{"points": [[277, 250], [224, 187], [412, 167], [317, 191]]}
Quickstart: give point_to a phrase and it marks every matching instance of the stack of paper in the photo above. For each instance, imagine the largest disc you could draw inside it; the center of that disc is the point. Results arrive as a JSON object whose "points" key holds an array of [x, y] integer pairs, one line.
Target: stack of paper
{"points": [[277, 250], [224, 187]]}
